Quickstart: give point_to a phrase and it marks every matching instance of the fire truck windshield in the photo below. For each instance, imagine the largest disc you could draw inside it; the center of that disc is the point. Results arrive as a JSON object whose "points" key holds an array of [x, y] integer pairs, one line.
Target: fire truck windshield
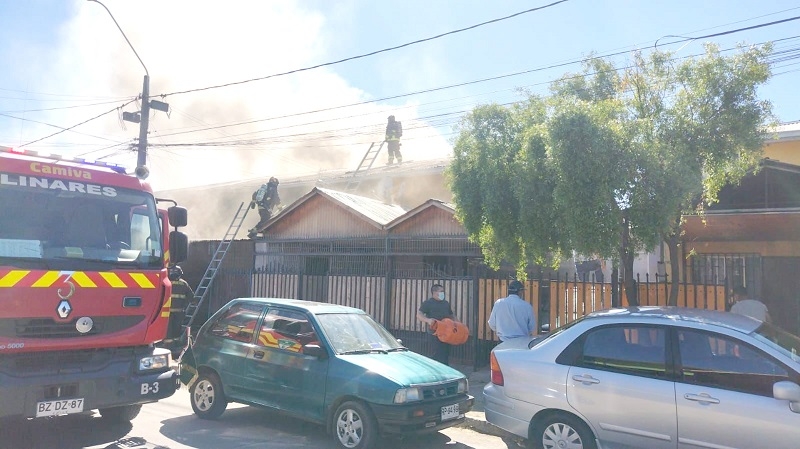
{"points": [[108, 224]]}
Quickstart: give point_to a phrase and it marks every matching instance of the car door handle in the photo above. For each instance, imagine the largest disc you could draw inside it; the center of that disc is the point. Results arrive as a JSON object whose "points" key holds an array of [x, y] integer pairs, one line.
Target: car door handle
{"points": [[705, 398], [258, 354], [585, 379]]}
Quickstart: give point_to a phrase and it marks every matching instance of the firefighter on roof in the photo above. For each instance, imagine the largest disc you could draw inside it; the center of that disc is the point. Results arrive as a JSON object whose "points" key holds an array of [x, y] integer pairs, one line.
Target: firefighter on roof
{"points": [[394, 130], [266, 198]]}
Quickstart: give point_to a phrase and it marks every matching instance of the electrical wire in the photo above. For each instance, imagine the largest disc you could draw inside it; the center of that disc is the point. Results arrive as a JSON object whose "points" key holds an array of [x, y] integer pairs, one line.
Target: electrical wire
{"points": [[407, 44], [419, 92], [76, 125]]}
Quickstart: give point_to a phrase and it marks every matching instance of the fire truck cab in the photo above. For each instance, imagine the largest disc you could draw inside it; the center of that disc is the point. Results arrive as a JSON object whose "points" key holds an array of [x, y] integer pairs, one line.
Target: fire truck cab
{"points": [[84, 291]]}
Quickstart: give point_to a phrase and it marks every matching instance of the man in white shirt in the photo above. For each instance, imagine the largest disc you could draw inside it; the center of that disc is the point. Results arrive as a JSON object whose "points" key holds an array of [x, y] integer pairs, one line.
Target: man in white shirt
{"points": [[748, 307]]}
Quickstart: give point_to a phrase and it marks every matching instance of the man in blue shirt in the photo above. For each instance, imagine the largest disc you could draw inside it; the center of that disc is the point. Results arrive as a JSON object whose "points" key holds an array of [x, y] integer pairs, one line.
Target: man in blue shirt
{"points": [[512, 316]]}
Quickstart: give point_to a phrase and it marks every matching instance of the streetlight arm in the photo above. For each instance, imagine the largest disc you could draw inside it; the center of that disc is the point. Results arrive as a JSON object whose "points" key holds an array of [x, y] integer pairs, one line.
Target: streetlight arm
{"points": [[123, 35]]}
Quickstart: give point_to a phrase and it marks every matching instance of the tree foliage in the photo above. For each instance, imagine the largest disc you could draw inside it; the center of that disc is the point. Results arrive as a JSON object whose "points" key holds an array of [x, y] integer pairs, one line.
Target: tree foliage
{"points": [[609, 163]]}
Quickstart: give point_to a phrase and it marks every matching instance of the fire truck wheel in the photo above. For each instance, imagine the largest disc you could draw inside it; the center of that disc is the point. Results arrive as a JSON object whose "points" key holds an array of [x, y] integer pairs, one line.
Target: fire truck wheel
{"points": [[123, 414], [355, 426], [208, 399]]}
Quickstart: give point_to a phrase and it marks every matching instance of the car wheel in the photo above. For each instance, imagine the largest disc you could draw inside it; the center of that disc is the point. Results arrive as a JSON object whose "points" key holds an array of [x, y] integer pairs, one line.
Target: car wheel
{"points": [[562, 431], [123, 414], [208, 399], [356, 427]]}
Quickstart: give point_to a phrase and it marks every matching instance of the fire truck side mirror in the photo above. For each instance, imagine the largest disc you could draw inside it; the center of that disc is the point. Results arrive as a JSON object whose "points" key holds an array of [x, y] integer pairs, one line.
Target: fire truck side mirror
{"points": [[178, 247], [177, 216]]}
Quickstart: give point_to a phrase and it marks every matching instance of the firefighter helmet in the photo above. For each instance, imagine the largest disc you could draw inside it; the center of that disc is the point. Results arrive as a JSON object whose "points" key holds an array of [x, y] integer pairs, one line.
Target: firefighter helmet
{"points": [[175, 273]]}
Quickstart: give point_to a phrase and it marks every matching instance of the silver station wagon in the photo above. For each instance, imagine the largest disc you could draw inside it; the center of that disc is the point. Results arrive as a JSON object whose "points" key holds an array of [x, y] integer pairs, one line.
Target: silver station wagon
{"points": [[650, 377]]}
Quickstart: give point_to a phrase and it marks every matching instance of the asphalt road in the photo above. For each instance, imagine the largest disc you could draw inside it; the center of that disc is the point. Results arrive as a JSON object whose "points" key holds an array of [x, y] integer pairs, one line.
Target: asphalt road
{"points": [[171, 424]]}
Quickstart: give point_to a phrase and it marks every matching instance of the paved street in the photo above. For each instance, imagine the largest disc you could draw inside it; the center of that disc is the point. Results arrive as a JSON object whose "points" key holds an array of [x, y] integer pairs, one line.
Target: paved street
{"points": [[170, 424]]}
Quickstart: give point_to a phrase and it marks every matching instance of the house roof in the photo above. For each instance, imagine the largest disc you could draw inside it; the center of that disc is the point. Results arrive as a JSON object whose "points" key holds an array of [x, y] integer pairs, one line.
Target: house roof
{"points": [[449, 207], [376, 212], [786, 131]]}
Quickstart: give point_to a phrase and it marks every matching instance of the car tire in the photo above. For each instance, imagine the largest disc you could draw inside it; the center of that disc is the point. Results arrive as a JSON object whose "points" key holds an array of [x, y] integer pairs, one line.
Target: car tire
{"points": [[355, 426], [123, 414], [207, 397], [562, 431]]}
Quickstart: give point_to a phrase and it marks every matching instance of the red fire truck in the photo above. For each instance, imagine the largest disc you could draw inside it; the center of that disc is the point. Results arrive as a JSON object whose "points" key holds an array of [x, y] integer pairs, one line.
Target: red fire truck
{"points": [[84, 291]]}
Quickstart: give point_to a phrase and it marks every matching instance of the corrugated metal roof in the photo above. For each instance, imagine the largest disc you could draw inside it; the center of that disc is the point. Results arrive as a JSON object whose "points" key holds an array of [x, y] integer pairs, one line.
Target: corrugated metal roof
{"points": [[332, 176], [377, 211]]}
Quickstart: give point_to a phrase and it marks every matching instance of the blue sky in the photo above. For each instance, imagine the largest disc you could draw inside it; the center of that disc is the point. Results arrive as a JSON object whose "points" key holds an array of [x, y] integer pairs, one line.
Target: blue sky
{"points": [[66, 62]]}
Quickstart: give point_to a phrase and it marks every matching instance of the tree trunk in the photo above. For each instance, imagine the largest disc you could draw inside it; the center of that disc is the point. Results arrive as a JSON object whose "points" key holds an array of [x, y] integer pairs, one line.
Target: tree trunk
{"points": [[626, 257], [672, 243]]}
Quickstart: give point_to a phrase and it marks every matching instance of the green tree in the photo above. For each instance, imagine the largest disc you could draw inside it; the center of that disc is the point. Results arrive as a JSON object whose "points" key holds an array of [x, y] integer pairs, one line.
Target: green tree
{"points": [[609, 163]]}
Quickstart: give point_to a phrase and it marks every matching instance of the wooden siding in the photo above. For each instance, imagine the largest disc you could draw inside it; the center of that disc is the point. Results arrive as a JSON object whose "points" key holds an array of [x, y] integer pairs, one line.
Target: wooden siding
{"points": [[367, 293], [433, 221], [319, 218], [408, 295], [711, 297]]}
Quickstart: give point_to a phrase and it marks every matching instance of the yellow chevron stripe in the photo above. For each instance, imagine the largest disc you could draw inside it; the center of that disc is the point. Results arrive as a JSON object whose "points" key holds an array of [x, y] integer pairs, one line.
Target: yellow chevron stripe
{"points": [[47, 279], [168, 303], [165, 314], [82, 280], [142, 280], [13, 277], [112, 279]]}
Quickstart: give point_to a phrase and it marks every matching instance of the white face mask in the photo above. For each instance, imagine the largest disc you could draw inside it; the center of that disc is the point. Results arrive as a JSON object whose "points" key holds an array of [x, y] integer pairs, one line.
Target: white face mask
{"points": [[441, 296]]}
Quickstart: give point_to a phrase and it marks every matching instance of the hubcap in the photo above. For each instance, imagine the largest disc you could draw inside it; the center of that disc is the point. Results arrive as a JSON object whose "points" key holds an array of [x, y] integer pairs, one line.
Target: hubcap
{"points": [[349, 428], [561, 436], [204, 395]]}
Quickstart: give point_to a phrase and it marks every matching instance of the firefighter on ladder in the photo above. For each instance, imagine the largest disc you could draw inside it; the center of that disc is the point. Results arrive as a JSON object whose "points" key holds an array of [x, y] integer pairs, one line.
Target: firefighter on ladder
{"points": [[266, 198], [394, 130]]}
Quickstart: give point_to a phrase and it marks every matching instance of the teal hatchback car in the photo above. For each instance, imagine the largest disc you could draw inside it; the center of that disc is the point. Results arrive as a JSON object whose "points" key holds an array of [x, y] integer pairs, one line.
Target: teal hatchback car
{"points": [[324, 363]]}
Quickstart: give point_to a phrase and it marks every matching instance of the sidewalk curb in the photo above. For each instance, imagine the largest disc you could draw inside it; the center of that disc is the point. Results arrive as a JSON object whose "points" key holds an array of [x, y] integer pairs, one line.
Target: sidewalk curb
{"points": [[480, 425]]}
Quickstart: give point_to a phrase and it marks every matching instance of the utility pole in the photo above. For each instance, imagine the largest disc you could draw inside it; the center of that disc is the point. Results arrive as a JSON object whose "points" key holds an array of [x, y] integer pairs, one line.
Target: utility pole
{"points": [[141, 158], [142, 117]]}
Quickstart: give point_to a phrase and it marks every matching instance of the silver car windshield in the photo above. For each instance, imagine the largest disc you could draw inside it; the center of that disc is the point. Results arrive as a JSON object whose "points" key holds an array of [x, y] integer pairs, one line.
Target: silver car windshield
{"points": [[356, 333], [779, 339]]}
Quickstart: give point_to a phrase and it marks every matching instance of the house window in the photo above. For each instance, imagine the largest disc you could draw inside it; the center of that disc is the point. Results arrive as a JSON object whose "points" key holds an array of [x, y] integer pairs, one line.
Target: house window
{"points": [[317, 266], [727, 269]]}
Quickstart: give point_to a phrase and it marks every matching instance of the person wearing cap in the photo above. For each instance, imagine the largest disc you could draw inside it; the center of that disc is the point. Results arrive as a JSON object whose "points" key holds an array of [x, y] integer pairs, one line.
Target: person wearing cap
{"points": [[512, 316], [394, 131]]}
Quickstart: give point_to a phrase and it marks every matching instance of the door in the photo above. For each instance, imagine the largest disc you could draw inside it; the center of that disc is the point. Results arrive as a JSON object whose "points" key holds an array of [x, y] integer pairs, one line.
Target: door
{"points": [[227, 343], [780, 291], [620, 386], [277, 370], [724, 396]]}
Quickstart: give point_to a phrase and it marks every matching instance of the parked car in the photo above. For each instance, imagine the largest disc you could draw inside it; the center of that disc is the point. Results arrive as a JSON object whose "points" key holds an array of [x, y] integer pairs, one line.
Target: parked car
{"points": [[324, 363], [650, 377]]}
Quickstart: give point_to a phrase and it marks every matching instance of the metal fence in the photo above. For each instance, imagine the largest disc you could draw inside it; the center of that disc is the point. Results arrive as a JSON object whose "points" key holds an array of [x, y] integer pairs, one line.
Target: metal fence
{"points": [[394, 301]]}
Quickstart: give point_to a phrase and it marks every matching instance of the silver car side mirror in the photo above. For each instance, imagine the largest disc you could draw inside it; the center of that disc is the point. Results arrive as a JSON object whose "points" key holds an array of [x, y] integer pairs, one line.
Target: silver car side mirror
{"points": [[788, 391]]}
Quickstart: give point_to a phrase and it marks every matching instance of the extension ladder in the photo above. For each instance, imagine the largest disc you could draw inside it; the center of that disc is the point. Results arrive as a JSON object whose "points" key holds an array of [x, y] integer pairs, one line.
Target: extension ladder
{"points": [[366, 163], [211, 272]]}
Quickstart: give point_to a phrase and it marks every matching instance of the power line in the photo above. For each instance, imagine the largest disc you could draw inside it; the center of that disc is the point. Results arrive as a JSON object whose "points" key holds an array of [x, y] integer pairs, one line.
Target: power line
{"points": [[370, 53], [25, 111], [429, 90], [76, 125], [724, 33], [423, 91]]}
